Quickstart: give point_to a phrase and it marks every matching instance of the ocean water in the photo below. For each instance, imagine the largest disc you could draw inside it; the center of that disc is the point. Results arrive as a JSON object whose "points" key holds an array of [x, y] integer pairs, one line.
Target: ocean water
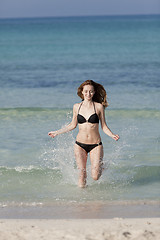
{"points": [[42, 63]]}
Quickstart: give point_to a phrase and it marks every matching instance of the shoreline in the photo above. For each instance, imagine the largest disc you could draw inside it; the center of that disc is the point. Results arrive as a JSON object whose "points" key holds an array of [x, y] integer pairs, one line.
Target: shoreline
{"points": [[85, 210]]}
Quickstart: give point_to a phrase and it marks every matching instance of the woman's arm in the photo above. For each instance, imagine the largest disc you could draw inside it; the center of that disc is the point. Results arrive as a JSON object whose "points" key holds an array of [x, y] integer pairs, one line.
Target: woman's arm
{"points": [[104, 126], [69, 127]]}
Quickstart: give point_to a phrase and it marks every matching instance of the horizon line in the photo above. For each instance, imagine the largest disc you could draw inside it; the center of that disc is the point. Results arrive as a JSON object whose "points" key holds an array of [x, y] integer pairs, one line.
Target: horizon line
{"points": [[107, 15]]}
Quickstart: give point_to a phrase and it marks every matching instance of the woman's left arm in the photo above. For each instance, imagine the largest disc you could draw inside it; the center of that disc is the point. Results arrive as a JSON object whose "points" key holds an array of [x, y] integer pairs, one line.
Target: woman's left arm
{"points": [[104, 126]]}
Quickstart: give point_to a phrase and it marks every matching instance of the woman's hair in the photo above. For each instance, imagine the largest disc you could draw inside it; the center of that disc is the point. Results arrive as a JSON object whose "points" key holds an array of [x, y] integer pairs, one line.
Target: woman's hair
{"points": [[100, 95]]}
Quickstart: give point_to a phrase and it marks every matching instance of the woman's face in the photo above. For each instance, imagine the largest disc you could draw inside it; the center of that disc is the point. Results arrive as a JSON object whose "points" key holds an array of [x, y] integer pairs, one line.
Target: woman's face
{"points": [[88, 92]]}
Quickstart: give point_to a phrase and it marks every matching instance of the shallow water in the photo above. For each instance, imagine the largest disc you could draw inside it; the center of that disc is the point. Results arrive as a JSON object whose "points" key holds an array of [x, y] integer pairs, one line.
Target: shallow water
{"points": [[41, 66]]}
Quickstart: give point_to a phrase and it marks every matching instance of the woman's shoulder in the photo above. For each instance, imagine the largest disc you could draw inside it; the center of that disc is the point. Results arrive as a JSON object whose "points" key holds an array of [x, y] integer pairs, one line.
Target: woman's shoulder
{"points": [[98, 106], [76, 106]]}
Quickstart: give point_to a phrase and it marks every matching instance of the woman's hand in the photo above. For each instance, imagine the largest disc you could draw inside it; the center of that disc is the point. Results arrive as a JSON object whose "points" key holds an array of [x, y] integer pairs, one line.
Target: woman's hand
{"points": [[52, 134], [115, 137]]}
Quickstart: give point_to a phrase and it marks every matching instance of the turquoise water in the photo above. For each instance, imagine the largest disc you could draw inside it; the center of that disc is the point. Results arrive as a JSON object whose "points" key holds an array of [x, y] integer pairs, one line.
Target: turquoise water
{"points": [[42, 62]]}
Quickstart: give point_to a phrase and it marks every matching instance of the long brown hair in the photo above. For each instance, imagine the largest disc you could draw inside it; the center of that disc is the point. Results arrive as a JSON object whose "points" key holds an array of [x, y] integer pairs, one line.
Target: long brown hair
{"points": [[100, 95]]}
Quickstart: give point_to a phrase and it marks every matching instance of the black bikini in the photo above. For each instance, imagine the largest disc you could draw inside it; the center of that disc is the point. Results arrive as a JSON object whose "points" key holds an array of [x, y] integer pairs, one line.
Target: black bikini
{"points": [[88, 147], [92, 119]]}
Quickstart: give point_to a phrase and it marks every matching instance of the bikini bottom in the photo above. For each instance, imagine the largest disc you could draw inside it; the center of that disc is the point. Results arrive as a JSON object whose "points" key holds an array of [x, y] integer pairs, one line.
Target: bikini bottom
{"points": [[88, 147]]}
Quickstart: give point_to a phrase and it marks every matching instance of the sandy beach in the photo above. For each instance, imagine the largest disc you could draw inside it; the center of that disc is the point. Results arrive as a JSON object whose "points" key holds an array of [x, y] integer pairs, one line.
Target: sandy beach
{"points": [[90, 229]]}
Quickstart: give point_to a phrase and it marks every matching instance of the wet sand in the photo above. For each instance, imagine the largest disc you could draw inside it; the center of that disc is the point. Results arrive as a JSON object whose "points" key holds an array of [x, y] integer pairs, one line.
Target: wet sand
{"points": [[87, 210]]}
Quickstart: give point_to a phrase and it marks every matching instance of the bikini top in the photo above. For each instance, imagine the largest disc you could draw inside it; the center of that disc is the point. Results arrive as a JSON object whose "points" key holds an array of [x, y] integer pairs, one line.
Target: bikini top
{"points": [[92, 119]]}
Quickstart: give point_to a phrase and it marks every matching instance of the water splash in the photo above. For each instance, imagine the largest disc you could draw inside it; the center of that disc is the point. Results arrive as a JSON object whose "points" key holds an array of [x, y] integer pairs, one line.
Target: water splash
{"points": [[59, 153]]}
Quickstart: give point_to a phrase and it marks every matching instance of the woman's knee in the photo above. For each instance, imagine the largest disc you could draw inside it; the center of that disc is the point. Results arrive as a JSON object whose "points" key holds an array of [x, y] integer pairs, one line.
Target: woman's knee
{"points": [[95, 177], [96, 174]]}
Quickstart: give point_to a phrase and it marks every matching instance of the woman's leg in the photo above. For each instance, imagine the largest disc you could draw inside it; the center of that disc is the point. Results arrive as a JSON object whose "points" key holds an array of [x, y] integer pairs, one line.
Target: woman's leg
{"points": [[81, 159], [96, 157]]}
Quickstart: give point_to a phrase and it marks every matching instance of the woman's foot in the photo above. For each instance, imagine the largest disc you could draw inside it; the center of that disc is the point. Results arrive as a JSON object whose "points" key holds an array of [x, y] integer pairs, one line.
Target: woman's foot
{"points": [[82, 184]]}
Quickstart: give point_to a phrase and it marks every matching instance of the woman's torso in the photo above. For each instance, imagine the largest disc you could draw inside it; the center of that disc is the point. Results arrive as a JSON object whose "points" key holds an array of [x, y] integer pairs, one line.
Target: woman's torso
{"points": [[88, 121]]}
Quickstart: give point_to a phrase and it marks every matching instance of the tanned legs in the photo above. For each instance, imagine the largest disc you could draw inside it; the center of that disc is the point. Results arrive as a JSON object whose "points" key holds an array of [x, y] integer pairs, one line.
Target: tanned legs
{"points": [[96, 157]]}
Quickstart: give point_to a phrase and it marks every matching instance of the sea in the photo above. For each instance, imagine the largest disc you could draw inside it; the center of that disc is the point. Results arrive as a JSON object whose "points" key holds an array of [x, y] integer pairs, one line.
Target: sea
{"points": [[42, 63]]}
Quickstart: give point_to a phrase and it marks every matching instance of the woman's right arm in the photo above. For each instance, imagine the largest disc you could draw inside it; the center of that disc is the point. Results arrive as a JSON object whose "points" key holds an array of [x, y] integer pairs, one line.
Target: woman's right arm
{"points": [[69, 127]]}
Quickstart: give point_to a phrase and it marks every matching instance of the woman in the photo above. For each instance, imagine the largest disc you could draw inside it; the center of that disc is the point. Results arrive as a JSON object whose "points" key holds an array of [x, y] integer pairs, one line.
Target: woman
{"points": [[87, 115]]}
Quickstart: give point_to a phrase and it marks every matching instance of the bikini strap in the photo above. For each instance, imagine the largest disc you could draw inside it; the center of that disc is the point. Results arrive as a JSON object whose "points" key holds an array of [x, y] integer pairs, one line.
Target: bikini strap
{"points": [[94, 107], [80, 107]]}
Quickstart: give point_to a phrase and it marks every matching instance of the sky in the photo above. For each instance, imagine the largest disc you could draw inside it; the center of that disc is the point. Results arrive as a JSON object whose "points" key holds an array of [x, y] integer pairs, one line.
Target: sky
{"points": [[55, 8]]}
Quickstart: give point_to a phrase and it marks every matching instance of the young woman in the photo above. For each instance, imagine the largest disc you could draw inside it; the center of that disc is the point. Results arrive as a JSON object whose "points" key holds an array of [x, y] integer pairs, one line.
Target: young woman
{"points": [[87, 115]]}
